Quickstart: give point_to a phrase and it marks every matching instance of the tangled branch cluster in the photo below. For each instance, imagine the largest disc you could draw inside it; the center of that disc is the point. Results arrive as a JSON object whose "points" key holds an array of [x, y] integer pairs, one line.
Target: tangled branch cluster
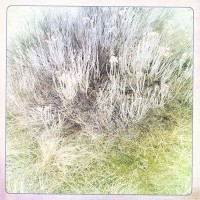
{"points": [[105, 67]]}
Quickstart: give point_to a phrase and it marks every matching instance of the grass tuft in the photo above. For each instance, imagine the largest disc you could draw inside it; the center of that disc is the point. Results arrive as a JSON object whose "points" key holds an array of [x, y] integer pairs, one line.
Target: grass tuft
{"points": [[157, 162]]}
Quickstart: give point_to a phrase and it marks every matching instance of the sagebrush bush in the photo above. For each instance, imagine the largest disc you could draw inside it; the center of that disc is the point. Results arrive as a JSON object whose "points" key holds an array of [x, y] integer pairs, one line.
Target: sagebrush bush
{"points": [[102, 68]]}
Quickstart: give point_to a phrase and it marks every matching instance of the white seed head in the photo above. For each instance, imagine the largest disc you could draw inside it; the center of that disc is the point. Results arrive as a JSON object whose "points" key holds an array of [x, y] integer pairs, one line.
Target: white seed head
{"points": [[111, 29], [113, 59], [164, 51], [169, 25], [85, 19], [152, 34]]}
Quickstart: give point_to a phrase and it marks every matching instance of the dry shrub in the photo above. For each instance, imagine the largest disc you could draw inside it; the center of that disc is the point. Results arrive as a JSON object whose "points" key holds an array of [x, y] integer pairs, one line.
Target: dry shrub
{"points": [[103, 68]]}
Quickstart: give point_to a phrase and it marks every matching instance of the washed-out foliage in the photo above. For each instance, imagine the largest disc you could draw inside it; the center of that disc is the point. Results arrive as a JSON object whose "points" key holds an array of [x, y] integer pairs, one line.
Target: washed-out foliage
{"points": [[103, 68]]}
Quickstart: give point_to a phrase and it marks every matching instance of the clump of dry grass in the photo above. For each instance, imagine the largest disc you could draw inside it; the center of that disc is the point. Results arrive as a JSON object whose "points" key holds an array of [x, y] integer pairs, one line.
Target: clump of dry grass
{"points": [[104, 68], [157, 162]]}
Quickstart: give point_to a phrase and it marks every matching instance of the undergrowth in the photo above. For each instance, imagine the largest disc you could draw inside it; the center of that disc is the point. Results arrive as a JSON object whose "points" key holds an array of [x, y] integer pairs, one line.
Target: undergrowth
{"points": [[100, 103], [159, 161], [104, 68]]}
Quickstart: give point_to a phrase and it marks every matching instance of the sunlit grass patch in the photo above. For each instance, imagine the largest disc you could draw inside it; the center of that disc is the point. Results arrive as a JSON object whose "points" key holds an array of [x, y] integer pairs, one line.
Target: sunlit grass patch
{"points": [[157, 162]]}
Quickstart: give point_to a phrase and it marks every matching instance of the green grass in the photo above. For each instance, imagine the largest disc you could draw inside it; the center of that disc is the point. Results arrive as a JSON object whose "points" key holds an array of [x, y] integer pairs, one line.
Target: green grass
{"points": [[153, 157]]}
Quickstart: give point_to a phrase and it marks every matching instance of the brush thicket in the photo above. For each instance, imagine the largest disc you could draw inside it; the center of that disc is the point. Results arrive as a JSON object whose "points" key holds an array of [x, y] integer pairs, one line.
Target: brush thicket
{"points": [[104, 68]]}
